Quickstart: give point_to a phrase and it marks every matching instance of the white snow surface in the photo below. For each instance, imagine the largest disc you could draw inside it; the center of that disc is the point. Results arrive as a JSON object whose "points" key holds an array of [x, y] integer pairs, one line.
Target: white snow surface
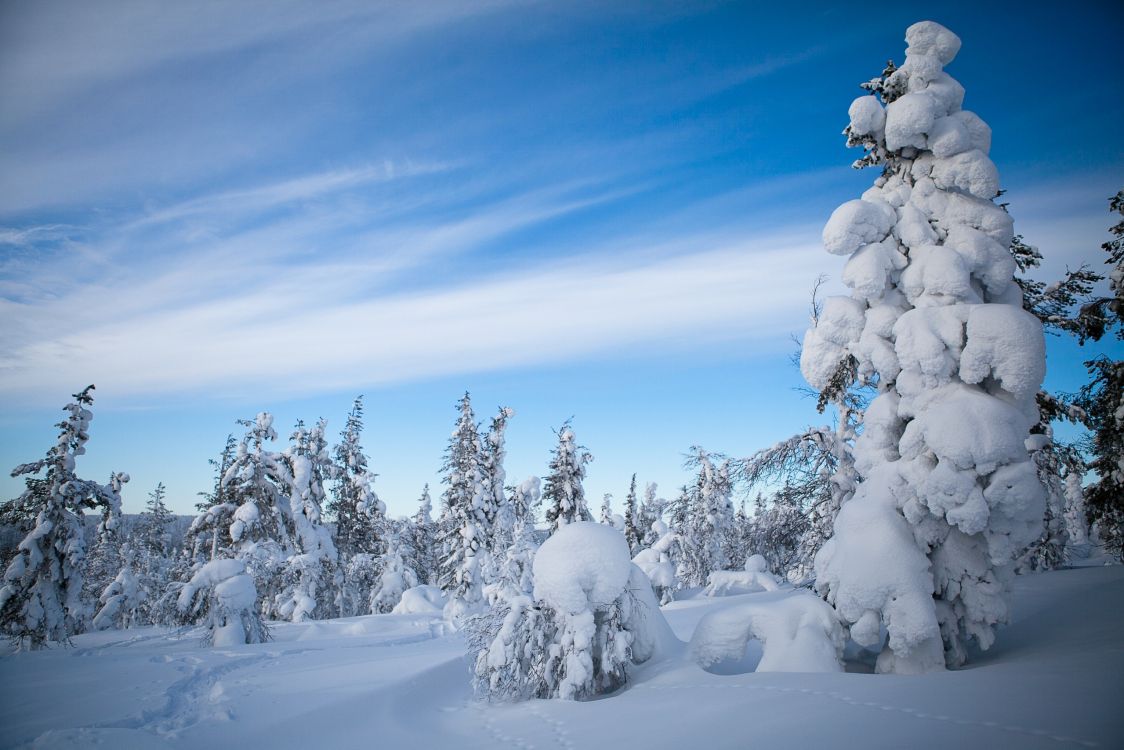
{"points": [[402, 681]]}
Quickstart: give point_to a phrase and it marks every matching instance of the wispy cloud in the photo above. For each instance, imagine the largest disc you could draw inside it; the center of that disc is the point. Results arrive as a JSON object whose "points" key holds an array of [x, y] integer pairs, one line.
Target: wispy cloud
{"points": [[275, 341]]}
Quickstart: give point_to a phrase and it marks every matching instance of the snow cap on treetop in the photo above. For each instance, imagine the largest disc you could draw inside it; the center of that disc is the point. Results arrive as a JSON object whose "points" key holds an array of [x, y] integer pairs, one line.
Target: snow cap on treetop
{"points": [[930, 38]]}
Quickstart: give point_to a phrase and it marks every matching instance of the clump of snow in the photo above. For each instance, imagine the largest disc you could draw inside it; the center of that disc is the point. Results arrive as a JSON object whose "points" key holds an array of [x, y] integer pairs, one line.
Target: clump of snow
{"points": [[867, 116], [798, 633], [754, 578], [582, 566], [857, 223], [421, 600]]}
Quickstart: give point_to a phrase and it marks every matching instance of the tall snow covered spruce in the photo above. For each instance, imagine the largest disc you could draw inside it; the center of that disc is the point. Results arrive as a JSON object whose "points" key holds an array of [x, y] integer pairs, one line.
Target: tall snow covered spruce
{"points": [[949, 494], [469, 501]]}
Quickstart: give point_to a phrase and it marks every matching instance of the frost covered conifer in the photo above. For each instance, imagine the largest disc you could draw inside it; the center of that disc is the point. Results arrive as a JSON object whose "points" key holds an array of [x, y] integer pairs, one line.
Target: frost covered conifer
{"points": [[41, 595], [704, 521], [651, 510], [423, 544], [123, 597], [309, 575], [949, 494], [498, 510], [468, 498], [356, 507], [563, 489], [633, 534], [1102, 400], [152, 544], [396, 575], [359, 517], [105, 560]]}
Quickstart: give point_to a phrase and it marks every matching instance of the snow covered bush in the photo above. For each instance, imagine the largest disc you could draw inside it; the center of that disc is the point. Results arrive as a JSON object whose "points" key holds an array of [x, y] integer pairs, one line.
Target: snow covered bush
{"points": [[221, 597], [798, 633], [591, 617], [396, 576], [122, 599], [658, 562], [948, 495]]}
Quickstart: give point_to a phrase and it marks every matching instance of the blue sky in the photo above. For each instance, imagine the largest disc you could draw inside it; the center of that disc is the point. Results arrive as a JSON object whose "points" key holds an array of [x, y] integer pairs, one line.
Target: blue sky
{"points": [[609, 211]]}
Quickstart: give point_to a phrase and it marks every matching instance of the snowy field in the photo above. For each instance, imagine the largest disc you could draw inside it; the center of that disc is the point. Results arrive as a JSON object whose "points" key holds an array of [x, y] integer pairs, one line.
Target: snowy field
{"points": [[397, 681]]}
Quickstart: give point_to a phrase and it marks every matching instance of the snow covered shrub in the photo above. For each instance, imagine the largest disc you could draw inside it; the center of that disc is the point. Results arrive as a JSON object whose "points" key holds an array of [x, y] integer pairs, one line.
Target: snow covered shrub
{"points": [[591, 617], [221, 596], [123, 597], [658, 563], [396, 577], [949, 495]]}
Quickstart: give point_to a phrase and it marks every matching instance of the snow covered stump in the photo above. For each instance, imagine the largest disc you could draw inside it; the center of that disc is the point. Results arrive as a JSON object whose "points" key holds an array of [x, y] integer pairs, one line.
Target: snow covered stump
{"points": [[592, 617], [949, 494]]}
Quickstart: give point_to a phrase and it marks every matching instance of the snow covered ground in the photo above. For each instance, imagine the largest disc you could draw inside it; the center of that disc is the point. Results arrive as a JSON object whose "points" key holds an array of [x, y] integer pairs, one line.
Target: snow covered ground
{"points": [[394, 681]]}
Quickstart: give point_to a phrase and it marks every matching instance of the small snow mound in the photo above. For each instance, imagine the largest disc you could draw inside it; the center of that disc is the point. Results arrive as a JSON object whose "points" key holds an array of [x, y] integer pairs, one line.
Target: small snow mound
{"points": [[583, 566], [421, 600], [798, 633]]}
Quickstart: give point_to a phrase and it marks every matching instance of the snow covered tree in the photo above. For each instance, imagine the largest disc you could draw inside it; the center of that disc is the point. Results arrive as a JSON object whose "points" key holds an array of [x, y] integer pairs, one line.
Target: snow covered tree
{"points": [[633, 534], [563, 487], [501, 518], [105, 560], [41, 595], [607, 509], [651, 510], [359, 515], [151, 543], [355, 506], [468, 498], [704, 521], [254, 520], [949, 495], [123, 597], [591, 617], [659, 562], [1102, 400], [779, 531], [423, 544], [396, 574], [309, 575]]}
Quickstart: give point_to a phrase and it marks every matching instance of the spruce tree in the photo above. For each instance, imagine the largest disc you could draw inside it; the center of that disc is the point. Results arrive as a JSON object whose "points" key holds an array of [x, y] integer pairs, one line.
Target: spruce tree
{"points": [[934, 322], [467, 497], [563, 489], [633, 534]]}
